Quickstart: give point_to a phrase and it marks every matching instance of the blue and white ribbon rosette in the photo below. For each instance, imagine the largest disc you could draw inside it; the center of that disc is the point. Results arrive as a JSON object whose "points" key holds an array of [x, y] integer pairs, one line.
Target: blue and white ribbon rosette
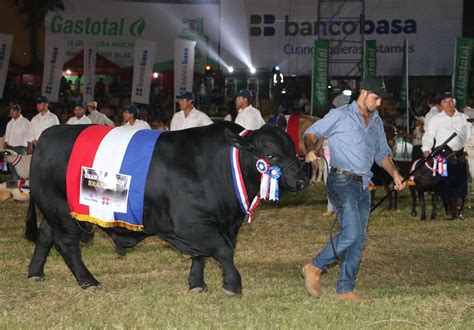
{"points": [[269, 181]]}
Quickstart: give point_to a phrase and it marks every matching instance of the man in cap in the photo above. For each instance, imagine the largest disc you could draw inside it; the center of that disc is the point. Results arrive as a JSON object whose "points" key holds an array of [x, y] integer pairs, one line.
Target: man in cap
{"points": [[80, 117], [43, 120], [248, 117], [188, 116], [16, 135], [356, 138], [131, 118], [97, 117], [441, 126]]}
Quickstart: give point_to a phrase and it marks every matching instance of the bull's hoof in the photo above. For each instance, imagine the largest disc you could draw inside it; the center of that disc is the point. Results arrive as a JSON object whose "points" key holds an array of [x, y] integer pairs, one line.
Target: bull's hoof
{"points": [[36, 278], [231, 294], [91, 286], [198, 289], [120, 251]]}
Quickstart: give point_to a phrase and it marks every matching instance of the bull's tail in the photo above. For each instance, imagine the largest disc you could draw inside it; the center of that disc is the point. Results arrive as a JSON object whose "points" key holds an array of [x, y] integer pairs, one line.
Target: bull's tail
{"points": [[31, 230]]}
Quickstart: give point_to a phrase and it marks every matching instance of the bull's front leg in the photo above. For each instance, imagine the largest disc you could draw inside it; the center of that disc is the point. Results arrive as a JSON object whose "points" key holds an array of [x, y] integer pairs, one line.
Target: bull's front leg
{"points": [[413, 200], [232, 282], [421, 197], [196, 275], [434, 203]]}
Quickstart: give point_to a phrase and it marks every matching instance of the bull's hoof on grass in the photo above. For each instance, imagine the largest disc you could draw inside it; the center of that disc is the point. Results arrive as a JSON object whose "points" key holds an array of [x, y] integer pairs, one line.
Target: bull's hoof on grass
{"points": [[91, 286], [231, 294], [36, 278], [198, 289]]}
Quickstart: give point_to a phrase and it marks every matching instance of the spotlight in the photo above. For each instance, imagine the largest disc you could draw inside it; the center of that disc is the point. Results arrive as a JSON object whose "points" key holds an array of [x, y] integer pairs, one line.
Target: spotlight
{"points": [[68, 72], [252, 70], [155, 75], [347, 92], [230, 69], [277, 68], [208, 67]]}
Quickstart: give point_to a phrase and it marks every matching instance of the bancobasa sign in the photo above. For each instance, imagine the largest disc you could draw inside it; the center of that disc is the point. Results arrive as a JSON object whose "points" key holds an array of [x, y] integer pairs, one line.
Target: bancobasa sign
{"points": [[265, 33]]}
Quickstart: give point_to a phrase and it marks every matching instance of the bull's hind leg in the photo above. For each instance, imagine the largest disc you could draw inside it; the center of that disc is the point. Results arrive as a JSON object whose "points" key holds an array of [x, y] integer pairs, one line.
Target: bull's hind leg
{"points": [[434, 203], [196, 275], [44, 243]]}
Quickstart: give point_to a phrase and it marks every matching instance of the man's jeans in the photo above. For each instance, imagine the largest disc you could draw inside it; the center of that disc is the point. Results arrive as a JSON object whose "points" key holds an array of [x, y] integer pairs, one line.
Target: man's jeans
{"points": [[352, 204], [11, 168]]}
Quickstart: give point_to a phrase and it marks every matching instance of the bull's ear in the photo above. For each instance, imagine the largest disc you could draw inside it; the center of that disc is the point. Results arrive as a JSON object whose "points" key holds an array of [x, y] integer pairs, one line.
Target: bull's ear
{"points": [[281, 121], [235, 140]]}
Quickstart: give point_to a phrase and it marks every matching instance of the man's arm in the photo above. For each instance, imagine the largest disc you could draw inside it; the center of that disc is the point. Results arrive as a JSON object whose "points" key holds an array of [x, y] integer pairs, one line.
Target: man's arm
{"points": [[313, 145], [389, 166]]}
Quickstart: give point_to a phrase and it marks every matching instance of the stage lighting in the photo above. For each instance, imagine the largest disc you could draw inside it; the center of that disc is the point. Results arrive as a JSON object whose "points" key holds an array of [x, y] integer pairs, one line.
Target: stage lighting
{"points": [[230, 69], [155, 75], [252, 70], [208, 67], [277, 68], [347, 92], [68, 72]]}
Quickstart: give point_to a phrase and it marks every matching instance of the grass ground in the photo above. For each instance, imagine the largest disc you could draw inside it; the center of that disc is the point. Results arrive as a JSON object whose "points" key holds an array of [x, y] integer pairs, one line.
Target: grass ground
{"points": [[420, 275]]}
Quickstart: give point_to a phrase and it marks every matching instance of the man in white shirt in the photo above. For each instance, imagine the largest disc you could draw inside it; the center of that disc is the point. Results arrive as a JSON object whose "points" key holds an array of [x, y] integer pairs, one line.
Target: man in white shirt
{"points": [[435, 108], [131, 118], [16, 135], [442, 125], [248, 117], [79, 116], [97, 117], [43, 120], [188, 116]]}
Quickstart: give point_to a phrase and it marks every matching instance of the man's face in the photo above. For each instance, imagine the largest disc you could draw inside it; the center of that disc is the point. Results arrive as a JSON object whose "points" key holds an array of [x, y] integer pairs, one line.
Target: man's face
{"points": [[40, 107], [14, 113], [447, 105], [127, 115], [370, 100], [241, 102], [185, 104], [90, 109], [79, 112]]}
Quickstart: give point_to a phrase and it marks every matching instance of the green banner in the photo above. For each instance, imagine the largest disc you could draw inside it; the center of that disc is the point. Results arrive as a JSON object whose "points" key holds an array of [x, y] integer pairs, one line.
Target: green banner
{"points": [[320, 78], [404, 78], [462, 66], [370, 58]]}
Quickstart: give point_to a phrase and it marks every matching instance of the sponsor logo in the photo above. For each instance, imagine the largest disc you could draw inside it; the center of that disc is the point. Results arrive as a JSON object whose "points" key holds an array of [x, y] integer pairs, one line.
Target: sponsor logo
{"points": [[264, 25], [261, 25], [104, 26]]}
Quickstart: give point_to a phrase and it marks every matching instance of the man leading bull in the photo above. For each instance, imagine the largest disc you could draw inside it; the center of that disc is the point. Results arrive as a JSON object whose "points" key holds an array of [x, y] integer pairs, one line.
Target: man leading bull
{"points": [[441, 126], [356, 138]]}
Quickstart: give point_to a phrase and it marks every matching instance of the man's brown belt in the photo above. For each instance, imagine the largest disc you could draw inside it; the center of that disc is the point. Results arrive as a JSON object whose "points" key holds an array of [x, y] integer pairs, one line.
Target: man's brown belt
{"points": [[349, 174]]}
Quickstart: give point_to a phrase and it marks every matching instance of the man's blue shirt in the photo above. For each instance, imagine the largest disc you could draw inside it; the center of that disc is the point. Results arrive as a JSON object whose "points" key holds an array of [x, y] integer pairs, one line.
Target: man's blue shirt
{"points": [[353, 145]]}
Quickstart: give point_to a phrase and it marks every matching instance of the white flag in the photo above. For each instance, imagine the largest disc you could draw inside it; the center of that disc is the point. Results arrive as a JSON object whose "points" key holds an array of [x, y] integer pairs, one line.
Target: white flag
{"points": [[143, 60], [5, 48], [54, 52], [90, 55], [183, 66]]}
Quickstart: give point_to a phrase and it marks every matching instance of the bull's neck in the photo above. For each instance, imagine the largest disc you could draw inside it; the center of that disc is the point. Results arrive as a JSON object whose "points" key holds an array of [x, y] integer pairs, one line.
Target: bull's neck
{"points": [[249, 173]]}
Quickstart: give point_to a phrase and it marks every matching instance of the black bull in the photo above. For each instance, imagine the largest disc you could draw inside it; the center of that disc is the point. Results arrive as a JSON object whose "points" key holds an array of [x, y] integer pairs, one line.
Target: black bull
{"points": [[189, 201]]}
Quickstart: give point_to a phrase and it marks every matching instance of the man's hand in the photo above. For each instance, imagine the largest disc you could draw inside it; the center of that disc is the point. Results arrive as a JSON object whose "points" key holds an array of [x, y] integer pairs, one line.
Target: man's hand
{"points": [[311, 156], [426, 154], [398, 181]]}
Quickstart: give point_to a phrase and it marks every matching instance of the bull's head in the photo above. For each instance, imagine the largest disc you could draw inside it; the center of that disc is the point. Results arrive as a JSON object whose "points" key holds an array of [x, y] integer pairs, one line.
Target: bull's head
{"points": [[276, 147]]}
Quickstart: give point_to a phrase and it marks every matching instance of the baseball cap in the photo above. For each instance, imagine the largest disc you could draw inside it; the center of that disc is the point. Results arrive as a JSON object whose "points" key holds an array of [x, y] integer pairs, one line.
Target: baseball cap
{"points": [[80, 105], [41, 99], [375, 85], [92, 104], [133, 109], [445, 95], [245, 93], [186, 96]]}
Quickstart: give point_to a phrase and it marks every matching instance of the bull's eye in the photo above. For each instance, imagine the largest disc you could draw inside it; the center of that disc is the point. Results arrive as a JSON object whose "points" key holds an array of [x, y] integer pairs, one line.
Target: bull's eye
{"points": [[272, 157]]}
